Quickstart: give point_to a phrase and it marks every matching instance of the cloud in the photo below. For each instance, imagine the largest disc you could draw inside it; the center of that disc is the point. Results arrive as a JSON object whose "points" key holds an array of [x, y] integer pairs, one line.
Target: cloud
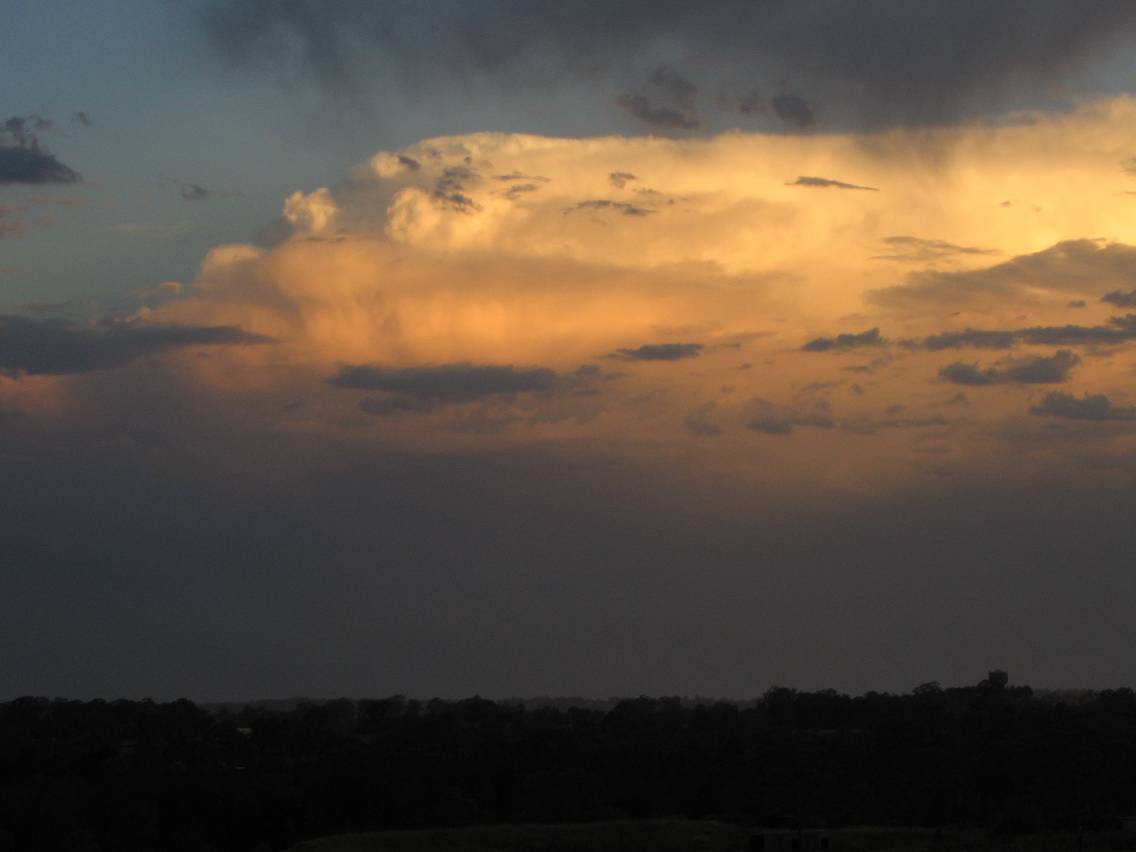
{"points": [[446, 382], [794, 110], [24, 160], [1088, 407], [844, 342], [897, 63], [57, 347], [659, 352], [1035, 370], [616, 206], [191, 191], [1070, 267], [1120, 299], [906, 249], [766, 417], [970, 337], [620, 179], [82, 118], [658, 116], [827, 183]]}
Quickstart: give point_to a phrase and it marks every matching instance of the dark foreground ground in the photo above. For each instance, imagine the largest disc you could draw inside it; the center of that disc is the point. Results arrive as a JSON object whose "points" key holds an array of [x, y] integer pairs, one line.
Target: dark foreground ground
{"points": [[701, 836]]}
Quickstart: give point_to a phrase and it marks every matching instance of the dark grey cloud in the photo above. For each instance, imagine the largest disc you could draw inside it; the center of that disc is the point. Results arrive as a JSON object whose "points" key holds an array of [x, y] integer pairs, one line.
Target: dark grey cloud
{"points": [[794, 110], [519, 176], [844, 342], [446, 382], [907, 249], [1034, 370], [23, 159], [1118, 330], [670, 82], [82, 118], [620, 179], [450, 189], [659, 116], [888, 62], [58, 346], [615, 206], [659, 352], [828, 183], [1087, 407], [191, 191], [1120, 298], [519, 189], [970, 337], [771, 419]]}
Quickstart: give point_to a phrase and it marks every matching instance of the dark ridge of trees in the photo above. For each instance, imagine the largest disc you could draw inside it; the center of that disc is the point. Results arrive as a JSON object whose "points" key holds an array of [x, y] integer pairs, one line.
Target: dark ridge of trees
{"points": [[127, 775]]}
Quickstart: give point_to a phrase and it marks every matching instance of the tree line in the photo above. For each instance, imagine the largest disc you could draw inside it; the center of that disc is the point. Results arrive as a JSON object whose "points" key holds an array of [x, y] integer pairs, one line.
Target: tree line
{"points": [[124, 775]]}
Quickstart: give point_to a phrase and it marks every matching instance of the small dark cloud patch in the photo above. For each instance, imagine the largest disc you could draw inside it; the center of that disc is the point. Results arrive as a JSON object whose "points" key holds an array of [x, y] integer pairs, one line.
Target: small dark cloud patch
{"points": [[23, 159], [82, 118], [459, 382], [844, 342], [517, 190], [1120, 298], [1088, 407], [907, 249], [1118, 330], [828, 183], [58, 347], [970, 337], [520, 176], [192, 191], [620, 179], [1077, 303], [659, 352], [658, 116], [409, 162], [450, 189], [768, 418], [794, 110], [671, 84], [665, 102], [1031, 371], [614, 206]]}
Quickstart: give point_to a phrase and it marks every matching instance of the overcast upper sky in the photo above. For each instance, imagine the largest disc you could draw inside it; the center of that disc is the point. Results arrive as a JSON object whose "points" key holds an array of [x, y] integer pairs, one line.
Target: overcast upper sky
{"points": [[574, 348]]}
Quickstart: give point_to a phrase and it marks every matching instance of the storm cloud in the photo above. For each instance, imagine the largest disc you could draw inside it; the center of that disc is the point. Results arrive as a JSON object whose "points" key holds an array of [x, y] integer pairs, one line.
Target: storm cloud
{"points": [[891, 62]]}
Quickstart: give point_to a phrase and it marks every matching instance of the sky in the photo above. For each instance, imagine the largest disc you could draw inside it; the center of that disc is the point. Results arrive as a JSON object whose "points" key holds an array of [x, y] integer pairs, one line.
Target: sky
{"points": [[565, 348]]}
